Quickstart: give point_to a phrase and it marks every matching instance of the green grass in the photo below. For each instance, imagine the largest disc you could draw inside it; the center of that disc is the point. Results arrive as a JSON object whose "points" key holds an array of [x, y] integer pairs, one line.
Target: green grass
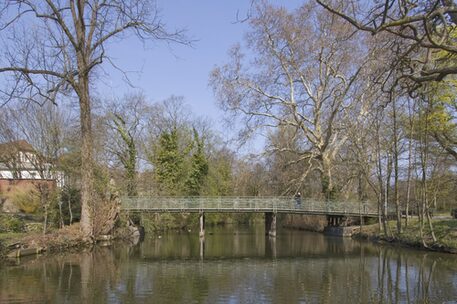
{"points": [[10, 237], [445, 232]]}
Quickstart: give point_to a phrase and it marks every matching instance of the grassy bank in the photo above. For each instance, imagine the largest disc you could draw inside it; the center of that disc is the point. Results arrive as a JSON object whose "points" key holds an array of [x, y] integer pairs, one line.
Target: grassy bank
{"points": [[9, 237], [445, 232]]}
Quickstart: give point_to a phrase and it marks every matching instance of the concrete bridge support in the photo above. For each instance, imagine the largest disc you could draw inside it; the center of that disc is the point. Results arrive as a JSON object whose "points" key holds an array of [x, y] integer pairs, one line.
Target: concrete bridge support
{"points": [[270, 224], [202, 225], [334, 220]]}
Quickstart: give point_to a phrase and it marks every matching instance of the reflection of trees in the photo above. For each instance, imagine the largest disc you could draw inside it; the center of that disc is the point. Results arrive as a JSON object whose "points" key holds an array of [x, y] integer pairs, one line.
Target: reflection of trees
{"points": [[80, 278], [411, 278], [237, 243], [349, 272]]}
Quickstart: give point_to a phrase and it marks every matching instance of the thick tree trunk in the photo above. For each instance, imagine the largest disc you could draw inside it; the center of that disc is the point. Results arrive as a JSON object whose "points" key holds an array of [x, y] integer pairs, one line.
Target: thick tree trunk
{"points": [[327, 188], [131, 169], [410, 161], [86, 159]]}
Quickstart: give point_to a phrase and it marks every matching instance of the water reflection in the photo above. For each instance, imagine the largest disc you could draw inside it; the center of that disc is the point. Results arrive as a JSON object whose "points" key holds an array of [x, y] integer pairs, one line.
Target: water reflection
{"points": [[236, 265]]}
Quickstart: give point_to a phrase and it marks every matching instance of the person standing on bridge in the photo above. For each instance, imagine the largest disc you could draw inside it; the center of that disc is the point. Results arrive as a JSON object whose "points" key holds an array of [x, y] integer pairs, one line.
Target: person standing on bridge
{"points": [[297, 199]]}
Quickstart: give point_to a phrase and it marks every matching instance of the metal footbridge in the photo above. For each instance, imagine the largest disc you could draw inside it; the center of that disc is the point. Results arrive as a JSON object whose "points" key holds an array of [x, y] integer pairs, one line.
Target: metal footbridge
{"points": [[225, 204]]}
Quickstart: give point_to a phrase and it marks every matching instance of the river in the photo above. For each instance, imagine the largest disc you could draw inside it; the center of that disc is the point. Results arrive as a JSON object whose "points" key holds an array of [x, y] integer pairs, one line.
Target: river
{"points": [[235, 265]]}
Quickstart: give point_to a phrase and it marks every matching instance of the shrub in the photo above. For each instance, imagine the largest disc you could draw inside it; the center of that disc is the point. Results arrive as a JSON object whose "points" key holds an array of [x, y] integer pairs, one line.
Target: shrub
{"points": [[10, 223], [26, 199]]}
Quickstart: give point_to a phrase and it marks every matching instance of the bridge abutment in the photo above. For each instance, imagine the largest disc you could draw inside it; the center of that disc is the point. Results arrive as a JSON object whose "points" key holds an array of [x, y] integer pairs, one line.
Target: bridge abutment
{"points": [[270, 224]]}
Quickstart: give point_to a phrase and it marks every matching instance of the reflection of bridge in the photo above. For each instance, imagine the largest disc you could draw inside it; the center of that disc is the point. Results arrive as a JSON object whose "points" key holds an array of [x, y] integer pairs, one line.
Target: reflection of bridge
{"points": [[334, 210]]}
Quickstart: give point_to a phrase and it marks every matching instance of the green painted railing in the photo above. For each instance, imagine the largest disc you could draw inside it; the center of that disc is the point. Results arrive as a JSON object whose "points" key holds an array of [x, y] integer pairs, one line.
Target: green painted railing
{"points": [[246, 204]]}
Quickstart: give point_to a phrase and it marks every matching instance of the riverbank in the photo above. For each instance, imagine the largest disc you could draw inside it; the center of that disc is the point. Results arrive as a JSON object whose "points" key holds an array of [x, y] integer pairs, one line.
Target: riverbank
{"points": [[445, 232], [58, 240], [17, 244], [68, 238]]}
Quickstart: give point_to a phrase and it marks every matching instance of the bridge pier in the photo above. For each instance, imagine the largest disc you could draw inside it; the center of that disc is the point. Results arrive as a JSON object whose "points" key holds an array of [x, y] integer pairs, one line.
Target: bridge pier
{"points": [[334, 220], [270, 224], [202, 225]]}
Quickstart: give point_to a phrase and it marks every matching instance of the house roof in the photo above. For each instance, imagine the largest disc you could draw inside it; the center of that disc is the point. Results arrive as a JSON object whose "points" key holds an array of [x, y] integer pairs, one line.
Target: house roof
{"points": [[17, 145]]}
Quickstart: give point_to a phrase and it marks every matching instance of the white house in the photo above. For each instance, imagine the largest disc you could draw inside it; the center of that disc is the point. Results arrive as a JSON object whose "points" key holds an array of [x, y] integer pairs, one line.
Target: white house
{"points": [[20, 161]]}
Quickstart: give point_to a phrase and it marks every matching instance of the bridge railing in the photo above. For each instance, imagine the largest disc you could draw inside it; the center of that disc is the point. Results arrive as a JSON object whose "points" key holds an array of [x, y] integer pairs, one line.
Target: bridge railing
{"points": [[239, 204]]}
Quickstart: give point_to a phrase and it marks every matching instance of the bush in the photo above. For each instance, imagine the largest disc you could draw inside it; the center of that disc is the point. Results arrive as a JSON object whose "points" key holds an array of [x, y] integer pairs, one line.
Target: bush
{"points": [[26, 199], [10, 223]]}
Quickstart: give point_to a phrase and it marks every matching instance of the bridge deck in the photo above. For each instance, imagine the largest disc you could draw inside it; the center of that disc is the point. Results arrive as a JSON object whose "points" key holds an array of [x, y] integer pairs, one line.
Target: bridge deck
{"points": [[246, 204]]}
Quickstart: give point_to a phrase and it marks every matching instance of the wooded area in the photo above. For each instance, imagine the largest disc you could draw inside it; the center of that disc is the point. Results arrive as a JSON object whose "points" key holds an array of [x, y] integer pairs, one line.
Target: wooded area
{"points": [[357, 101]]}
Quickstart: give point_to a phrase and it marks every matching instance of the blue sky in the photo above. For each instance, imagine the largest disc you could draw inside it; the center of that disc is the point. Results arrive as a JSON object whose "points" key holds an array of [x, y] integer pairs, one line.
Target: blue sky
{"points": [[182, 70]]}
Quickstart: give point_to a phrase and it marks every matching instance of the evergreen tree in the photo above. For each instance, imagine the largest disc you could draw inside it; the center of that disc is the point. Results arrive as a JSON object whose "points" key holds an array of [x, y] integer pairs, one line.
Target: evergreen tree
{"points": [[198, 167], [168, 164]]}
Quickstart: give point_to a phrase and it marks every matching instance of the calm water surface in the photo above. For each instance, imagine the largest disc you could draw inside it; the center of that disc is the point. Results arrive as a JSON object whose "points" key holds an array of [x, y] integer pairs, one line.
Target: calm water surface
{"points": [[235, 265]]}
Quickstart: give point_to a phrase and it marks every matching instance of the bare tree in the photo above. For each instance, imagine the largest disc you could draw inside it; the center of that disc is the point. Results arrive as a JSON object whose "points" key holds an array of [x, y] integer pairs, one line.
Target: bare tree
{"points": [[306, 73], [126, 121], [418, 29], [169, 114], [52, 47]]}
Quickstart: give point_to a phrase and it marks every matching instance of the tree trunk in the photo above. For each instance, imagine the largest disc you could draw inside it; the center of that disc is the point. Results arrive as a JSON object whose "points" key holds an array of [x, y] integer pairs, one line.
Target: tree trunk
{"points": [[430, 226], [327, 188], [382, 193], [61, 221], [387, 195], [380, 221], [70, 212], [408, 182], [424, 162], [86, 159], [396, 170], [45, 221]]}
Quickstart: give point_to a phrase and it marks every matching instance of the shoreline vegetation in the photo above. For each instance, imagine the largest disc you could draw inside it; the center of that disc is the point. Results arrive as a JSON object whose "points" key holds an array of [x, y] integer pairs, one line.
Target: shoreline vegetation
{"points": [[445, 231], [70, 238], [13, 244]]}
